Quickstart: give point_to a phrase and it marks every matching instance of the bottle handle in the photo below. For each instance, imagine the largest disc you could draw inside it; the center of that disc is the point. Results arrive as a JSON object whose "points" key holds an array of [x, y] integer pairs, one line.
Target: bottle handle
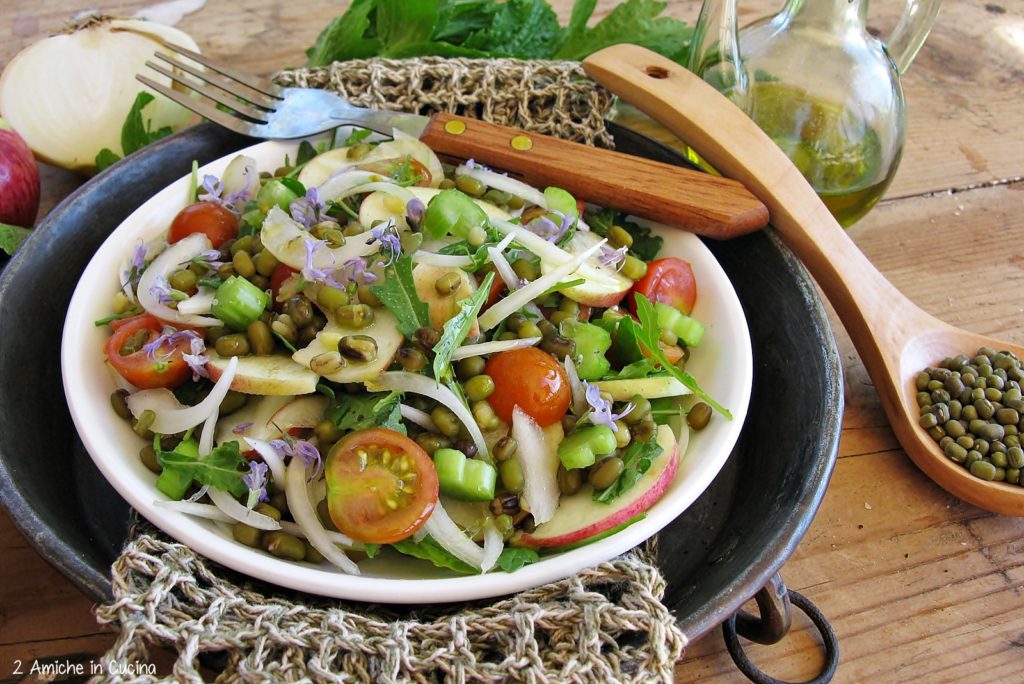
{"points": [[911, 31]]}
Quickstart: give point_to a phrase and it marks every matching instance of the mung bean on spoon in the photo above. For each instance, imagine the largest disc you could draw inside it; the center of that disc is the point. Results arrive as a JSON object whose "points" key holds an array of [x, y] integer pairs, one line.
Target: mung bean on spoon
{"points": [[895, 339]]}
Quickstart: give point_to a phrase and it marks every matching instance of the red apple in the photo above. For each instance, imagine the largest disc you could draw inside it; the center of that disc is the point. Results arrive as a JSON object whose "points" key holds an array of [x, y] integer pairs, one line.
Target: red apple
{"points": [[269, 375], [19, 179], [580, 519]]}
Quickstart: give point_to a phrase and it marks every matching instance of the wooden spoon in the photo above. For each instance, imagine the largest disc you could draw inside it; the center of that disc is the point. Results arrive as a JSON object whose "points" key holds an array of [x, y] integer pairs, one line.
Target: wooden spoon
{"points": [[895, 338]]}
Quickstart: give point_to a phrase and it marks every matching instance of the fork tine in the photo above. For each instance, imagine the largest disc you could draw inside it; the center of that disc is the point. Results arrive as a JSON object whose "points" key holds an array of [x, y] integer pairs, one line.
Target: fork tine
{"points": [[263, 85], [200, 107], [235, 88], [257, 116]]}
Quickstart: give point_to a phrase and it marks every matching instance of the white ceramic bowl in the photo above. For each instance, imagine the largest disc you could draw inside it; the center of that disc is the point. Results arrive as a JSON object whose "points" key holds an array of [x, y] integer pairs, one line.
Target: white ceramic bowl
{"points": [[722, 365]]}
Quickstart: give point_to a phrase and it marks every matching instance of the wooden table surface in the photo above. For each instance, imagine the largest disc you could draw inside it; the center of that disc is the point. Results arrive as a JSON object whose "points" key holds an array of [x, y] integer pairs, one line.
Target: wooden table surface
{"points": [[918, 585]]}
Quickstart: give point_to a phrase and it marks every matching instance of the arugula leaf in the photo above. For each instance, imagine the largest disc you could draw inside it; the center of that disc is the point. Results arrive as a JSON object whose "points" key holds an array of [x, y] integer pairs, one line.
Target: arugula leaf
{"points": [[218, 470], [647, 334], [305, 153], [636, 460], [527, 29], [360, 411], [136, 133], [357, 136], [664, 409], [346, 37], [644, 368], [513, 557], [429, 550], [371, 550], [645, 246], [634, 21], [397, 292], [11, 237], [457, 327]]}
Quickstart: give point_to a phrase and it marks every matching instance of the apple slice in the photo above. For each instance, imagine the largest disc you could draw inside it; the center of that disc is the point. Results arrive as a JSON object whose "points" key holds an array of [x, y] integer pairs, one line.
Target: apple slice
{"points": [[649, 388], [267, 417], [382, 330], [380, 206], [603, 286], [580, 518], [442, 307], [276, 374]]}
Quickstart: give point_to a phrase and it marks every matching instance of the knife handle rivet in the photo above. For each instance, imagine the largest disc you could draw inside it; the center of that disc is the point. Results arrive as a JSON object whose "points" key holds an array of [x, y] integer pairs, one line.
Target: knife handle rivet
{"points": [[521, 143], [455, 127]]}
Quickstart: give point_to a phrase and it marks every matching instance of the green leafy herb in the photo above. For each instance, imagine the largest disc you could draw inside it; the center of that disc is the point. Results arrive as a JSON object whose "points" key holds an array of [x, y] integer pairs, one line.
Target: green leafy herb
{"points": [[645, 246], [513, 557], [360, 411], [527, 29], [325, 389], [305, 153], [644, 368], [218, 470], [357, 136], [648, 333], [211, 281], [636, 460], [663, 409], [457, 327], [136, 133], [193, 183], [133, 311], [11, 237], [397, 292], [429, 550], [371, 550], [635, 21], [348, 36]]}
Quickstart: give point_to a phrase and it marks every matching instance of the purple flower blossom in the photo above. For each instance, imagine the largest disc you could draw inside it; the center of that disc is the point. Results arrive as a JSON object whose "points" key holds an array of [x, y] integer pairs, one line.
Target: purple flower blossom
{"points": [[356, 271], [213, 188], [301, 449], [210, 257], [138, 260], [161, 289], [601, 409], [241, 427], [548, 229], [197, 359], [256, 481], [610, 257], [313, 274], [309, 210], [414, 210], [390, 247]]}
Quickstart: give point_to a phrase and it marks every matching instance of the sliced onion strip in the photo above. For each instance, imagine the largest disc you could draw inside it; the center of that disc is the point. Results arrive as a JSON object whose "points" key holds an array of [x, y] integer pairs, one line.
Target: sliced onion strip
{"points": [[199, 510], [343, 180], [169, 261], [421, 418], [504, 183], [199, 303], [579, 392], [270, 457], [493, 347], [301, 508], [540, 483], [286, 241], [493, 546], [334, 537], [518, 299], [451, 537], [171, 416], [507, 274], [236, 511], [206, 436], [403, 381]]}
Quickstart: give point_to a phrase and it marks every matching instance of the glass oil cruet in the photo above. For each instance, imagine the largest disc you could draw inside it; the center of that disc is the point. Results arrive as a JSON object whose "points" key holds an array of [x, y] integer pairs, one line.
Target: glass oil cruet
{"points": [[825, 90]]}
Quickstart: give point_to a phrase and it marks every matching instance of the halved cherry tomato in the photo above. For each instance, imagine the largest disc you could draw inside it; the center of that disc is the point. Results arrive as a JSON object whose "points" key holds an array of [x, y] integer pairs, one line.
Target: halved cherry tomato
{"points": [[531, 379], [164, 367], [381, 486], [209, 218], [498, 288], [395, 169], [669, 280]]}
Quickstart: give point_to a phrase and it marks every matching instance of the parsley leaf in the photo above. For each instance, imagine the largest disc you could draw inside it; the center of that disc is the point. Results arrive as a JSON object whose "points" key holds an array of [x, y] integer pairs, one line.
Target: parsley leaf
{"points": [[218, 470], [648, 333], [397, 292], [457, 327], [136, 133], [513, 557], [636, 460], [11, 237], [429, 550], [360, 411]]}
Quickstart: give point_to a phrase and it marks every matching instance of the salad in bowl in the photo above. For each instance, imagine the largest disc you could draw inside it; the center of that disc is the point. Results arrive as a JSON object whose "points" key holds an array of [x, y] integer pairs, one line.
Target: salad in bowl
{"points": [[341, 365]]}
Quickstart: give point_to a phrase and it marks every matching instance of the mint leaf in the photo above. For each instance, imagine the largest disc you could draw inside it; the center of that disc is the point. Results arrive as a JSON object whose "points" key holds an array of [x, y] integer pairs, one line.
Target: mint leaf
{"points": [[430, 550], [360, 411], [398, 293], [105, 158], [347, 37], [527, 29], [218, 470], [11, 237], [457, 327], [634, 21], [513, 557], [636, 460], [648, 333]]}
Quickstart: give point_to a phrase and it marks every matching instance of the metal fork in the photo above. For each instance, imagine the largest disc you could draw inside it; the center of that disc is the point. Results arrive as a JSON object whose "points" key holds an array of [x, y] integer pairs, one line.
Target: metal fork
{"points": [[260, 108]]}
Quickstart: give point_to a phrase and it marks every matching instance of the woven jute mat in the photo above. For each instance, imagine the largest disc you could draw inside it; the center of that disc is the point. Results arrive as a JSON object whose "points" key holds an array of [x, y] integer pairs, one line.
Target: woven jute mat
{"points": [[604, 624]]}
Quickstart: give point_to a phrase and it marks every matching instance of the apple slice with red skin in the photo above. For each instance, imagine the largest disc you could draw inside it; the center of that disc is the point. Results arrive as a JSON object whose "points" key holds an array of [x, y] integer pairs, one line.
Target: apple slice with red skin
{"points": [[274, 375], [579, 518]]}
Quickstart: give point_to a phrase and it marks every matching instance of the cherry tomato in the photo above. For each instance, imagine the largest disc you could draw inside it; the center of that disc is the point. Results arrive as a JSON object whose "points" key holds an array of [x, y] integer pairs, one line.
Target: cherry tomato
{"points": [[498, 288], [531, 379], [669, 280], [381, 486], [164, 367], [209, 218], [281, 273]]}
